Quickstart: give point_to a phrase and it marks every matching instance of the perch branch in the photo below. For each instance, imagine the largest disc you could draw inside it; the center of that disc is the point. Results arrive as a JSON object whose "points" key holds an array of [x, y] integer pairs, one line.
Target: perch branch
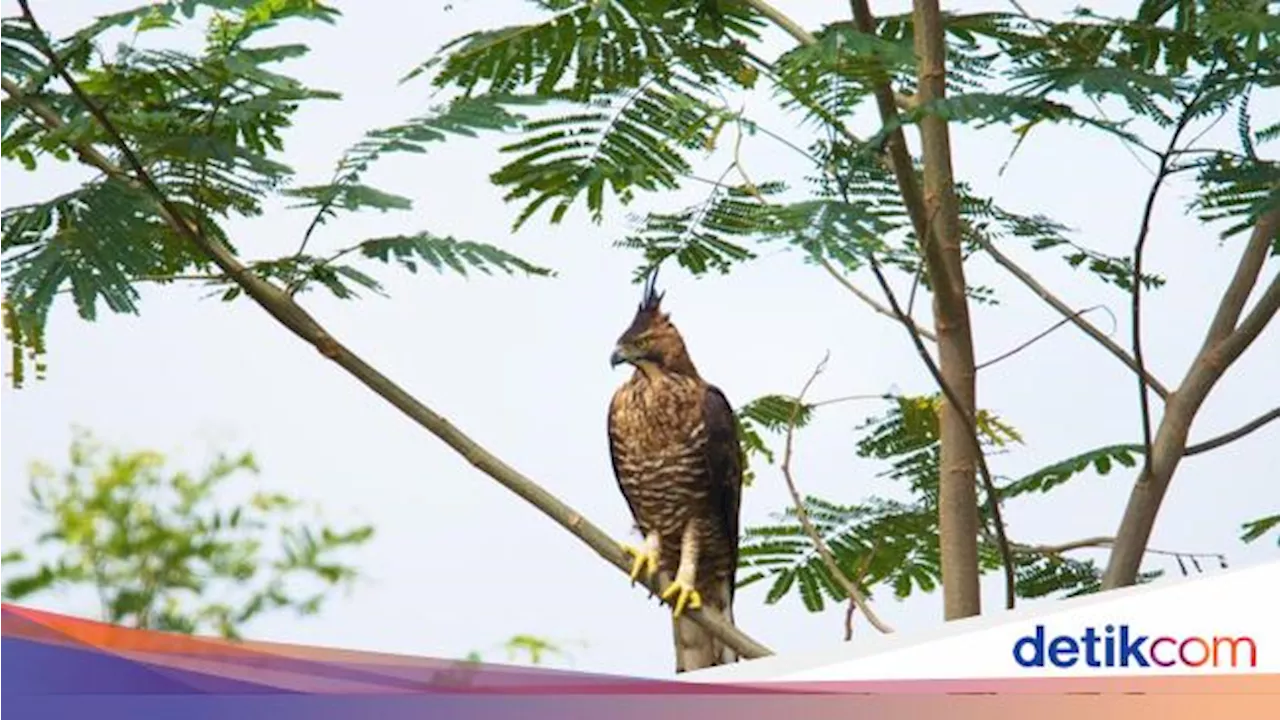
{"points": [[283, 308]]}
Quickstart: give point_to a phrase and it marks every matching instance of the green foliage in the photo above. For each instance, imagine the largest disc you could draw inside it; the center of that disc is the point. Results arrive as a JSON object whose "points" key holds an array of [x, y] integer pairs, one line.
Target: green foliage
{"points": [[534, 649], [893, 543], [1100, 460], [161, 552], [1255, 529], [209, 127], [896, 543]]}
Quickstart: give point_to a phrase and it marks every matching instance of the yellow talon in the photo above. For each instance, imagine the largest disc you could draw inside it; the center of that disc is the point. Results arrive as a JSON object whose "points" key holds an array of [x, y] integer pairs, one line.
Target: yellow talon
{"points": [[685, 594], [644, 557]]}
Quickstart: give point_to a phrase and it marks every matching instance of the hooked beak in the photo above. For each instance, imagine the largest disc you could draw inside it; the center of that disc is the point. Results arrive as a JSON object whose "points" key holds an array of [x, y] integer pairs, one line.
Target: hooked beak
{"points": [[620, 355]]}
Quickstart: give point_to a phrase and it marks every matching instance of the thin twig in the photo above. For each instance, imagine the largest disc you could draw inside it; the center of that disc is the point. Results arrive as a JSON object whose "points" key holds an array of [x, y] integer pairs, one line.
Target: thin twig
{"points": [[1139, 248], [1232, 436], [298, 321], [1057, 304], [1104, 541], [824, 551], [863, 567], [850, 398], [870, 301], [1034, 340], [839, 277]]}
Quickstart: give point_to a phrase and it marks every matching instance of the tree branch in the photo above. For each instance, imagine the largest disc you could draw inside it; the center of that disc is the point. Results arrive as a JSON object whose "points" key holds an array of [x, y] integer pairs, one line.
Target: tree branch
{"points": [[1144, 230], [857, 580], [1034, 340], [300, 323], [1103, 541], [1234, 435], [864, 297], [824, 552], [1215, 357], [1057, 304]]}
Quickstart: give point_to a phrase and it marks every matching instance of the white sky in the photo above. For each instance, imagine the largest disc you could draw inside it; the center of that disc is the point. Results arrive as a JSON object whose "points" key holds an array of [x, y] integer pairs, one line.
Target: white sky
{"points": [[521, 365]]}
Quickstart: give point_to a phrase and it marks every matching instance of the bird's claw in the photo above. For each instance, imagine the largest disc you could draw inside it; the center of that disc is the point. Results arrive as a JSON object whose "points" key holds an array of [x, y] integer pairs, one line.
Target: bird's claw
{"points": [[646, 560], [684, 594]]}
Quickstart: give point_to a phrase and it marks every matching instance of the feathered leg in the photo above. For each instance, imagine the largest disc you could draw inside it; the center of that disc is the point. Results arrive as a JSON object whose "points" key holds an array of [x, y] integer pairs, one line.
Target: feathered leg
{"points": [[684, 588], [696, 648]]}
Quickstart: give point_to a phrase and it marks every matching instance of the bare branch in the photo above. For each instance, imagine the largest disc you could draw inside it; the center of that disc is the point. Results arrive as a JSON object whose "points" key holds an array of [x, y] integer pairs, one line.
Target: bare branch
{"points": [[1104, 541], [824, 552], [1034, 340], [839, 277], [857, 581], [1140, 371], [864, 297], [283, 308], [1234, 435], [1057, 304]]}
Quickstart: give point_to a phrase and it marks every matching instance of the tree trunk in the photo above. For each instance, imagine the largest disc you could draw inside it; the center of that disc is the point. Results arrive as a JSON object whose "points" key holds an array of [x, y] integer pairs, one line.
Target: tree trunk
{"points": [[957, 491]]}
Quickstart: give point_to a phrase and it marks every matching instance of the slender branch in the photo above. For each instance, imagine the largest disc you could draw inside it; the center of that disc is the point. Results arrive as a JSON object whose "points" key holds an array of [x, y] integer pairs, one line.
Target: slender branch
{"points": [[825, 263], [1234, 435], [1139, 247], [849, 398], [870, 301], [988, 483], [300, 323], [824, 551], [1057, 304], [1104, 541], [1034, 340], [857, 580]]}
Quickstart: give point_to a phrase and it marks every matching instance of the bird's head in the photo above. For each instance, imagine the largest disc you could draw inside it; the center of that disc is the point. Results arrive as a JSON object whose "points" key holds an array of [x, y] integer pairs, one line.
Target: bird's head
{"points": [[652, 343]]}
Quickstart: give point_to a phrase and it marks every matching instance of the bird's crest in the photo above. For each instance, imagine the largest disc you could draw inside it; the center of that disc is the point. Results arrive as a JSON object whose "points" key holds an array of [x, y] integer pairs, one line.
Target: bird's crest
{"points": [[652, 299]]}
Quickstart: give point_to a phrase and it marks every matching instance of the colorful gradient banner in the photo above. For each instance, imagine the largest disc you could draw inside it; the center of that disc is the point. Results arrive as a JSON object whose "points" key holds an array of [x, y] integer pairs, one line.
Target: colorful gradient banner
{"points": [[62, 667]]}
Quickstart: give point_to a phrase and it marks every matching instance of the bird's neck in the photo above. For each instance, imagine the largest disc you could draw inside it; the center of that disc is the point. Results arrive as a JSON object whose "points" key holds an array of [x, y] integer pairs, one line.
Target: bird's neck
{"points": [[651, 373]]}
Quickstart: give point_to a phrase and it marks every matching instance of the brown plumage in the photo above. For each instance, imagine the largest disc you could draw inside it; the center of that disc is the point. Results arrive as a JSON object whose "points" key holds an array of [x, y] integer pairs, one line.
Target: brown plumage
{"points": [[678, 461]]}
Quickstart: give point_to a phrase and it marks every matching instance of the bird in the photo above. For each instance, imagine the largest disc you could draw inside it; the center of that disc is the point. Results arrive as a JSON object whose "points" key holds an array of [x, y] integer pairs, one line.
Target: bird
{"points": [[677, 457]]}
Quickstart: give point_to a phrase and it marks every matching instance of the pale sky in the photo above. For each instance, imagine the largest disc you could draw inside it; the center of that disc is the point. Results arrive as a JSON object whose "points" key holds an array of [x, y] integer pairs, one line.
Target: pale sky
{"points": [[520, 364]]}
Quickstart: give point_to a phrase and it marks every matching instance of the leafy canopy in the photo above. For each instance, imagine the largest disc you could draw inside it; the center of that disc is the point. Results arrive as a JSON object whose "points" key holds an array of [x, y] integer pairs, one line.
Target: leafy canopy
{"points": [[210, 125]]}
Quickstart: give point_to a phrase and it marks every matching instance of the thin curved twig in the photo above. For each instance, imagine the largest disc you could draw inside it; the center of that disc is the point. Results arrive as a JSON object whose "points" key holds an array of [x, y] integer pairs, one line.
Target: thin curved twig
{"points": [[1056, 303], [824, 551], [1034, 340], [1139, 248]]}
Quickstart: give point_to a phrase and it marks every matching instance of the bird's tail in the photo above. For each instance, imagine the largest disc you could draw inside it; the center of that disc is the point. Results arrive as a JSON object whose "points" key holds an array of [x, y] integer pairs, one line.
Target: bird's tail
{"points": [[695, 647]]}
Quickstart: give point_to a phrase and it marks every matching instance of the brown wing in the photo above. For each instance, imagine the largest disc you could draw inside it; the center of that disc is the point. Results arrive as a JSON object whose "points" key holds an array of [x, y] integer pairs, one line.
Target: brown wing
{"points": [[724, 465], [613, 457]]}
